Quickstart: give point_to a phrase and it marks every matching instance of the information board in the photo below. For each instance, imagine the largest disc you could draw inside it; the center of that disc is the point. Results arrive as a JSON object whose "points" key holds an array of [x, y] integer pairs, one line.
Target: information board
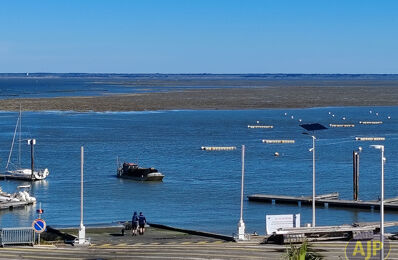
{"points": [[275, 222]]}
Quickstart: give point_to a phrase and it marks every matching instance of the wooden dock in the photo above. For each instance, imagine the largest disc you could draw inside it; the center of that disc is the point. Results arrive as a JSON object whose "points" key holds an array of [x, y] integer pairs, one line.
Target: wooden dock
{"points": [[356, 231], [389, 204], [12, 205], [5, 176]]}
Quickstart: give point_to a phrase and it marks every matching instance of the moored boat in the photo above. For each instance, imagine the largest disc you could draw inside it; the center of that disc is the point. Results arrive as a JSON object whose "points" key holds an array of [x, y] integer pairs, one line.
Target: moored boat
{"points": [[21, 197], [133, 171], [25, 174], [15, 171]]}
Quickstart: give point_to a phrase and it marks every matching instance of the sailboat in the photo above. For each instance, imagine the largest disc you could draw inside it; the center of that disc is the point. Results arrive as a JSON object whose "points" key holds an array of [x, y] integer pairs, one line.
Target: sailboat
{"points": [[16, 171]]}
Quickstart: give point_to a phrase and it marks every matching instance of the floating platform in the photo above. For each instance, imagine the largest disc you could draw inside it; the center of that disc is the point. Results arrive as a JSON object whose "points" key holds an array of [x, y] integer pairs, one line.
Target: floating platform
{"points": [[341, 125], [267, 141], [218, 148], [356, 231], [370, 138], [322, 200], [371, 122], [5, 176], [260, 126], [12, 205]]}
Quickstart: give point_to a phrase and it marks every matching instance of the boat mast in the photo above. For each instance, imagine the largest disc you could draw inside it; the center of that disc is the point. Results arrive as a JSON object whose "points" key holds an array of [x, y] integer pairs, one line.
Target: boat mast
{"points": [[13, 141], [20, 136], [32, 142]]}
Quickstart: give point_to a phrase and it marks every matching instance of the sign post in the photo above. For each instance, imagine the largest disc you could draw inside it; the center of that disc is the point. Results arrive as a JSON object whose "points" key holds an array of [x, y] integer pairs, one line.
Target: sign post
{"points": [[39, 226]]}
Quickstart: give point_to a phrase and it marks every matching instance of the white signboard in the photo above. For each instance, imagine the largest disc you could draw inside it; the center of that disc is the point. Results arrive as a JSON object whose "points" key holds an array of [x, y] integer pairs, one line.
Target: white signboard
{"points": [[275, 222]]}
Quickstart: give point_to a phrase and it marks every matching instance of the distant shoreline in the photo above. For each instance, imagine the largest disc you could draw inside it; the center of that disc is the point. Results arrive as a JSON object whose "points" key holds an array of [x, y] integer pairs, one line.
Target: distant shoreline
{"points": [[218, 99]]}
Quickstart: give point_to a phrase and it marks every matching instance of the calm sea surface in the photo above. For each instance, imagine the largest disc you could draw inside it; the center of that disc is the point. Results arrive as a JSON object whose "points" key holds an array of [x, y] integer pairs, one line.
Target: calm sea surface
{"points": [[201, 189]]}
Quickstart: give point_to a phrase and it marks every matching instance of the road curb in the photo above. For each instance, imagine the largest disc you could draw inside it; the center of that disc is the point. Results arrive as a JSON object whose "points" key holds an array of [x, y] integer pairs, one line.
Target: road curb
{"points": [[193, 232]]}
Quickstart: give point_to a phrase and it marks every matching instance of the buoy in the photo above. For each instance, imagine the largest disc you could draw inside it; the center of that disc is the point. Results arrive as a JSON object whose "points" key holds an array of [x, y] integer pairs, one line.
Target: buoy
{"points": [[257, 122], [389, 117], [276, 154]]}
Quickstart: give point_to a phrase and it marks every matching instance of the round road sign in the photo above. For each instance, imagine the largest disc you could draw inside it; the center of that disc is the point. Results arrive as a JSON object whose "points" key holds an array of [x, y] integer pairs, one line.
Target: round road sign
{"points": [[39, 225]]}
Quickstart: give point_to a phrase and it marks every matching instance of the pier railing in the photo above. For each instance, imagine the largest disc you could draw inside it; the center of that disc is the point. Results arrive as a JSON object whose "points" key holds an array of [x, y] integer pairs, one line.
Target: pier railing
{"points": [[17, 236]]}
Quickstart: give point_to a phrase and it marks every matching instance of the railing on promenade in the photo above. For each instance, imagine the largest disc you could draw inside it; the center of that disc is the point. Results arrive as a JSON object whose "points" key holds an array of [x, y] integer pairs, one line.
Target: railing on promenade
{"points": [[13, 236]]}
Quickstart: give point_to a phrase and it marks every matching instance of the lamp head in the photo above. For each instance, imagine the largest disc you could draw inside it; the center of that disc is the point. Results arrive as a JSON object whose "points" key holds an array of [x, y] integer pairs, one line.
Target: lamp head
{"points": [[313, 136], [378, 146]]}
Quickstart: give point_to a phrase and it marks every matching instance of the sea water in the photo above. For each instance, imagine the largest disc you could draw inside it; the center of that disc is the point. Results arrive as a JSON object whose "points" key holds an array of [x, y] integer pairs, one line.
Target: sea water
{"points": [[201, 189]]}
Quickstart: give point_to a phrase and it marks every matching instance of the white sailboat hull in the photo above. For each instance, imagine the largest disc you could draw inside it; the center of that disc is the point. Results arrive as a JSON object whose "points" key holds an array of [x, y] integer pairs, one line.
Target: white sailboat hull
{"points": [[26, 174], [23, 173]]}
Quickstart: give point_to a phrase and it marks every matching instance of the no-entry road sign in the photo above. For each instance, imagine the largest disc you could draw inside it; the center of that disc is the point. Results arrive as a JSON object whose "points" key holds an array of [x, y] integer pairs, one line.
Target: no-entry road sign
{"points": [[39, 225]]}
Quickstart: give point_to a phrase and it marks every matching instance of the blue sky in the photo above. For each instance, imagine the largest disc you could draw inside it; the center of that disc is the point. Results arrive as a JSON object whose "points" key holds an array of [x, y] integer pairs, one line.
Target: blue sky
{"points": [[199, 36]]}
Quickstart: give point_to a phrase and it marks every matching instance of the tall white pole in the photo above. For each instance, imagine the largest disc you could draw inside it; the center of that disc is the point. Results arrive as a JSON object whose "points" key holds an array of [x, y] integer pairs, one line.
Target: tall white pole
{"points": [[382, 204], [381, 148], [242, 182], [241, 224], [82, 229], [313, 181], [81, 185]]}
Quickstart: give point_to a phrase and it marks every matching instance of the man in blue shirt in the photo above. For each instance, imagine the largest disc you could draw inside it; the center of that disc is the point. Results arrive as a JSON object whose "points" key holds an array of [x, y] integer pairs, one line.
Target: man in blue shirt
{"points": [[134, 224], [141, 223]]}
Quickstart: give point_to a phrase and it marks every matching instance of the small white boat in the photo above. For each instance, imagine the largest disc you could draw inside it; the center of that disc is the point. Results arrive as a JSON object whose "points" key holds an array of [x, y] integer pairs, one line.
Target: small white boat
{"points": [[22, 196]]}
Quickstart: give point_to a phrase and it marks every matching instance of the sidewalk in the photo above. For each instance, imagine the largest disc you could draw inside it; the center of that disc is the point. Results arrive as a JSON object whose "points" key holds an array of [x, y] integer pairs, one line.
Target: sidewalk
{"points": [[113, 236]]}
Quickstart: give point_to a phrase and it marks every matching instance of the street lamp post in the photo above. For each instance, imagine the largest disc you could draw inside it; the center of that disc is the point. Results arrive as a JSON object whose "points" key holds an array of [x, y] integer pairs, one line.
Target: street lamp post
{"points": [[383, 159], [355, 164], [313, 127], [82, 228], [313, 178], [241, 224]]}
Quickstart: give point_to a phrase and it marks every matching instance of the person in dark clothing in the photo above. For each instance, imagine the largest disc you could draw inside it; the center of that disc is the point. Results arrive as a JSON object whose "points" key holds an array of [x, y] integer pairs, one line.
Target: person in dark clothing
{"points": [[134, 224], [141, 223]]}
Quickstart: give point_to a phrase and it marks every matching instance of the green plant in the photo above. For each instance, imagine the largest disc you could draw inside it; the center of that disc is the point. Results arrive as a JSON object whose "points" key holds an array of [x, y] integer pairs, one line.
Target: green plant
{"points": [[302, 252]]}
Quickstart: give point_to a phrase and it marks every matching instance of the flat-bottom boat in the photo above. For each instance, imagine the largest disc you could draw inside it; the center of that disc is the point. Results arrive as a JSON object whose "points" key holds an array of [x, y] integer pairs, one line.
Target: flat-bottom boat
{"points": [[134, 172]]}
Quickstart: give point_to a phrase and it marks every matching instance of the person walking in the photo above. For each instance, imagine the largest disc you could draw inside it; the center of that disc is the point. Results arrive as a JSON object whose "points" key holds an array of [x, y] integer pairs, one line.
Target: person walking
{"points": [[141, 223], [134, 224]]}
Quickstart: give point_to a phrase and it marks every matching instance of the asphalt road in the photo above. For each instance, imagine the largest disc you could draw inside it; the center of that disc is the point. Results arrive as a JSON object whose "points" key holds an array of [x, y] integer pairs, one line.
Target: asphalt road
{"points": [[108, 243], [229, 250]]}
